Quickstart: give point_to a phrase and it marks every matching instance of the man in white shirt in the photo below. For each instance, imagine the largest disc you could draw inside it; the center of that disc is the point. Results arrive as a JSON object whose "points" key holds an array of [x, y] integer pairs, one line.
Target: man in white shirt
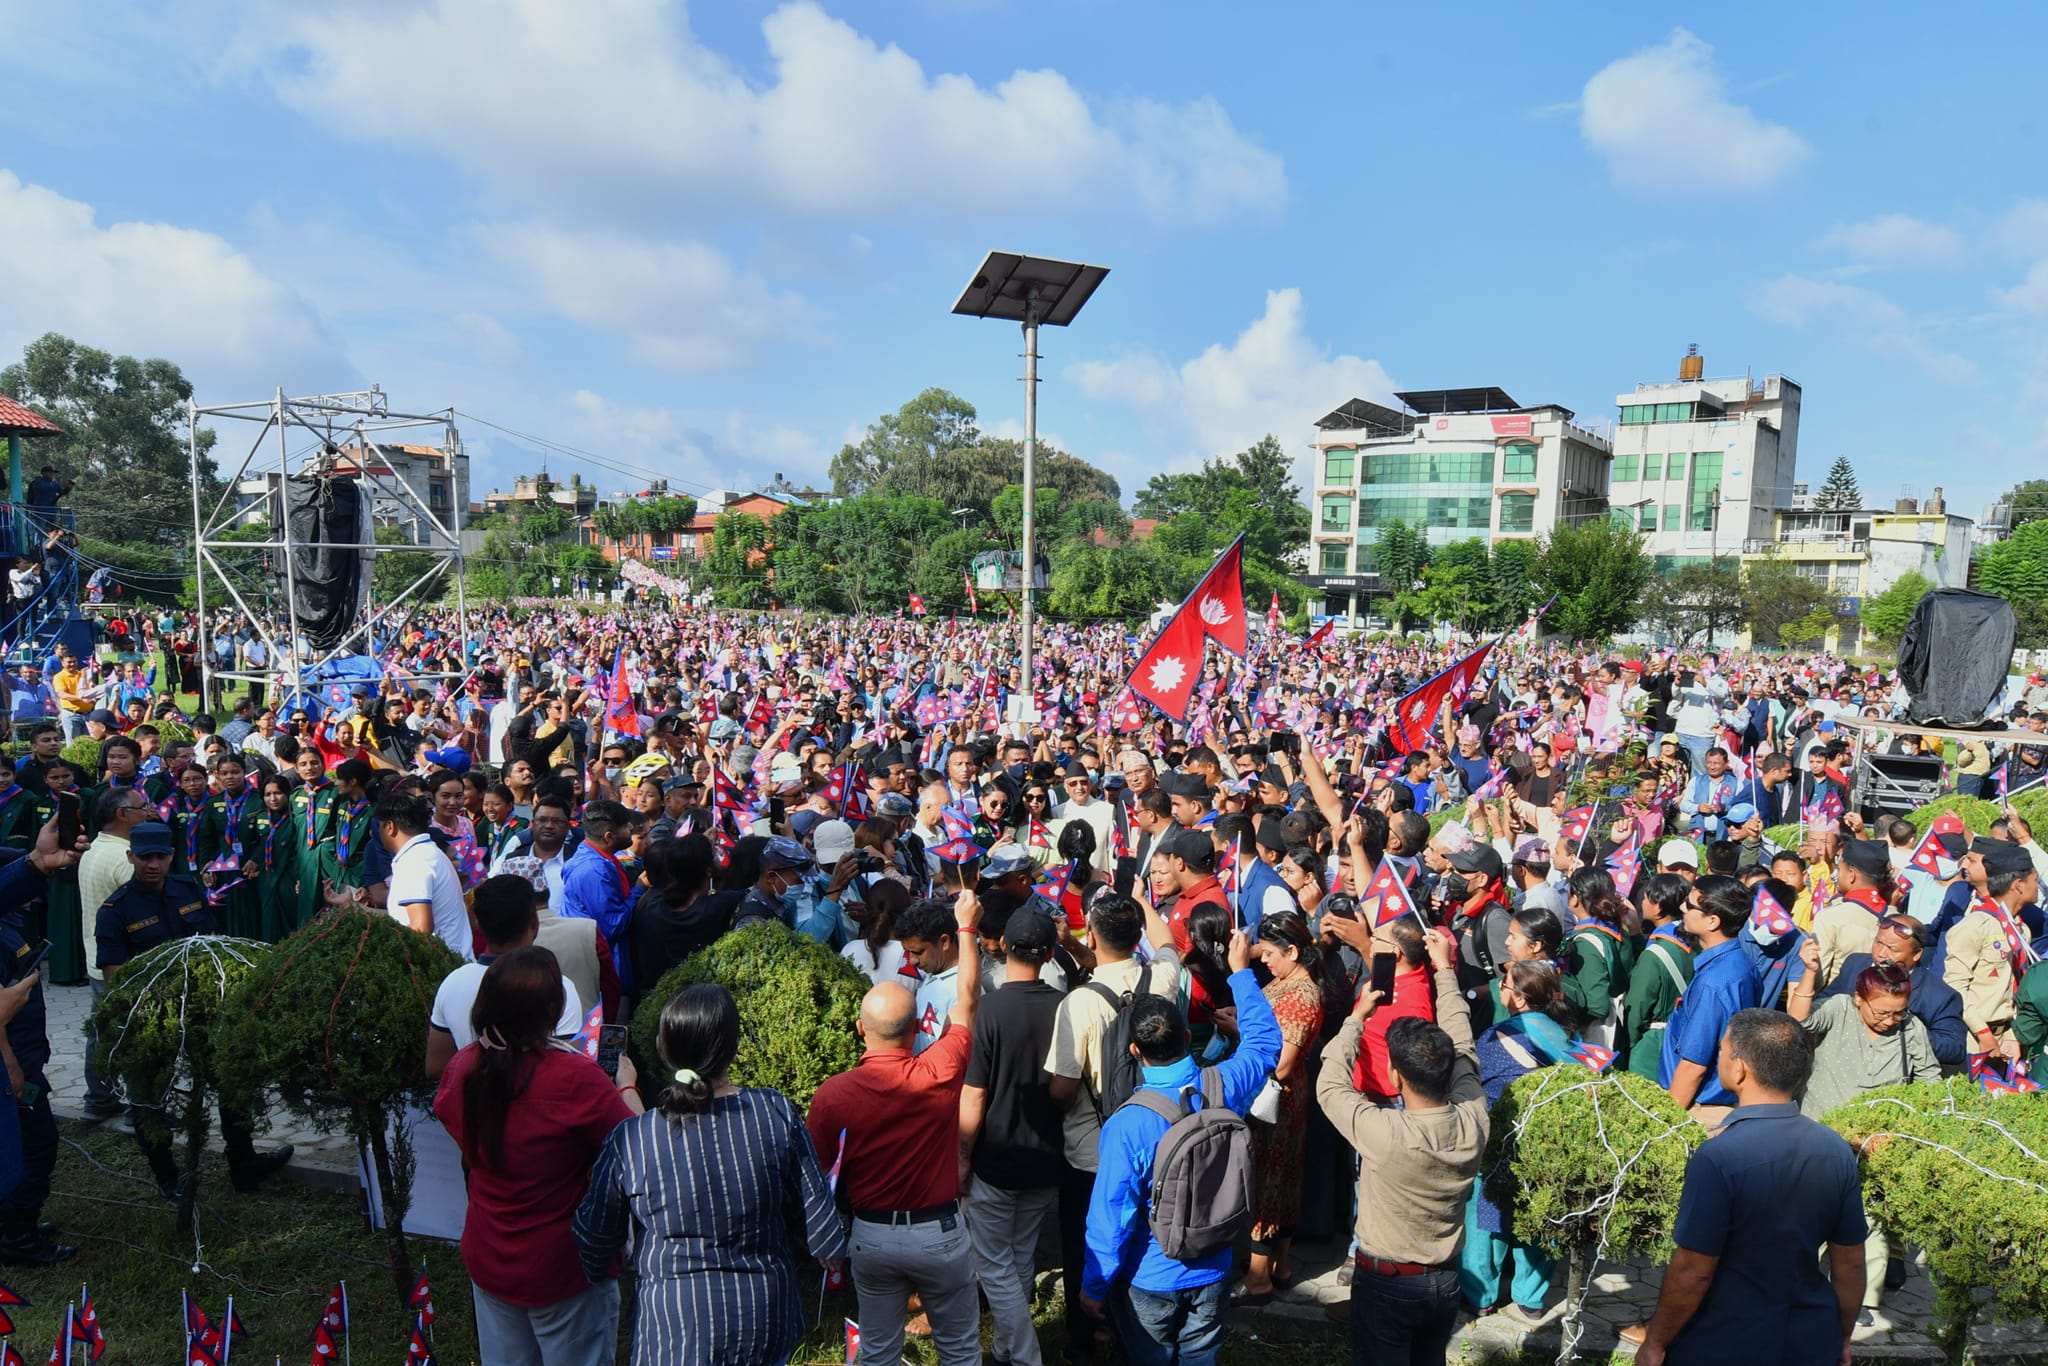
{"points": [[426, 893], [507, 914], [102, 870], [1081, 806], [550, 845]]}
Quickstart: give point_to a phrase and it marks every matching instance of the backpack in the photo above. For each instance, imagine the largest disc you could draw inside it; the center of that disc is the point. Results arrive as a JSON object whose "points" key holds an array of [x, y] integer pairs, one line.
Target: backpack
{"points": [[1120, 1071], [1201, 1197]]}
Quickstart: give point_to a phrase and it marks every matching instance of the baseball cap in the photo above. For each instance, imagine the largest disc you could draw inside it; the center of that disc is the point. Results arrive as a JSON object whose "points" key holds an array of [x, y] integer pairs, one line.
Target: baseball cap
{"points": [[832, 839], [1006, 859], [1742, 813], [1192, 847], [154, 837], [1029, 931], [103, 716], [1479, 858], [1677, 854], [801, 823], [782, 852], [724, 728], [894, 804]]}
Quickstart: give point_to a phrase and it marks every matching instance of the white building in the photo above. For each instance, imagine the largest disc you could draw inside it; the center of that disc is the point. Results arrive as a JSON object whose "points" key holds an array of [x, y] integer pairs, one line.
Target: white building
{"points": [[438, 478], [1702, 466], [1454, 463]]}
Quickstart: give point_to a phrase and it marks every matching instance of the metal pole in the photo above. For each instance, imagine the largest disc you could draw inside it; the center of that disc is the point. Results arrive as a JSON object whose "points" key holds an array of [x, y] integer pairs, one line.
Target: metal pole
{"points": [[293, 680], [205, 645], [1030, 488]]}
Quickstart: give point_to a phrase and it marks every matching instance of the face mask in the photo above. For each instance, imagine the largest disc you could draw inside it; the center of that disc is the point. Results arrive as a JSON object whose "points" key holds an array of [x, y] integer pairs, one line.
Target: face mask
{"points": [[793, 902], [1017, 771], [611, 775], [1455, 886]]}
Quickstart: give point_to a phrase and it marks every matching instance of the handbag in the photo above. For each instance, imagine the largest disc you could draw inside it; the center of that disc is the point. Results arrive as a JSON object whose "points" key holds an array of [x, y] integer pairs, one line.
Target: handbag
{"points": [[1265, 1106]]}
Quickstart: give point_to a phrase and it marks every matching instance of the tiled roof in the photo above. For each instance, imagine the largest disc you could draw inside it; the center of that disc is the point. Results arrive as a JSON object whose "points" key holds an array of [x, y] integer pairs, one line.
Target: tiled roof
{"points": [[15, 418]]}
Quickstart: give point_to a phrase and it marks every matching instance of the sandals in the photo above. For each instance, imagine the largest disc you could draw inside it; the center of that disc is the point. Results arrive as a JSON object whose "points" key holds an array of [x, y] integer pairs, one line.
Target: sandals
{"points": [[1252, 1299]]}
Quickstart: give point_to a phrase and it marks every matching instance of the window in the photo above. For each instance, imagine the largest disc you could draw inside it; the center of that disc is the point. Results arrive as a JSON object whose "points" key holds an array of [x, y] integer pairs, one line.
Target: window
{"points": [[1475, 514], [1430, 467], [1336, 514], [1518, 512], [1334, 557], [1625, 469], [1702, 488], [1337, 604], [1653, 468], [1643, 414], [1337, 466], [1518, 461], [1647, 517], [1674, 516]]}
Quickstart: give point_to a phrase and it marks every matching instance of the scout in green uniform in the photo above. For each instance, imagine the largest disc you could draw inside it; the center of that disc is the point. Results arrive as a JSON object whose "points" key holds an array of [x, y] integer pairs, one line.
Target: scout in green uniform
{"points": [[64, 925], [226, 869], [311, 806], [18, 828], [184, 813], [151, 908], [1661, 974], [267, 845], [350, 828], [1598, 956], [119, 758], [163, 784]]}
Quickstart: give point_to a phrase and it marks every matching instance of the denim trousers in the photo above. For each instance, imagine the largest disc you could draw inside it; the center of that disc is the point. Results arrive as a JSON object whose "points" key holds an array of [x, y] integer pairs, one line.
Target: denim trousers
{"points": [[1403, 1320], [581, 1330], [1170, 1327]]}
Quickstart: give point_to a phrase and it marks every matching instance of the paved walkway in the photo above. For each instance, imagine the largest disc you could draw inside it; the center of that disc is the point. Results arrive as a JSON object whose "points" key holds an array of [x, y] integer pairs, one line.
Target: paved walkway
{"points": [[328, 1159]]}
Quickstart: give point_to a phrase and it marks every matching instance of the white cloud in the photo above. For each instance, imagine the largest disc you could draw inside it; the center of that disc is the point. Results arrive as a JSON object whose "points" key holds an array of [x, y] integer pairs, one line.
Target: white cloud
{"points": [[1662, 119], [1271, 378], [1896, 239], [680, 305], [618, 109], [2022, 230], [2031, 294], [155, 289], [1859, 318]]}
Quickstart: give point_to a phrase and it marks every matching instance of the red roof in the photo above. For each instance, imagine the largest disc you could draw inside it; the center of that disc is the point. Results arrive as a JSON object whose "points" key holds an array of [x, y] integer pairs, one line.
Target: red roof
{"points": [[17, 419]]}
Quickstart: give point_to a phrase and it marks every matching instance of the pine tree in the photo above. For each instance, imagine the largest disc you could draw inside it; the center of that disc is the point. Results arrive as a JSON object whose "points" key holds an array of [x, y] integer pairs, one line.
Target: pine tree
{"points": [[1839, 493]]}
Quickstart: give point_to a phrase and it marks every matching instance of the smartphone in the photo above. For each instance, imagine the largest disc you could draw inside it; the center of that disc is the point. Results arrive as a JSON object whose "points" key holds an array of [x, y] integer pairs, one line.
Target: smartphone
{"points": [[67, 820], [35, 962], [611, 1041], [1383, 975]]}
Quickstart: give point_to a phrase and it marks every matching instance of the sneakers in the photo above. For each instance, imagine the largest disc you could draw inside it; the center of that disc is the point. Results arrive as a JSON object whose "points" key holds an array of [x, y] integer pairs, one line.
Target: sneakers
{"points": [[1522, 1317], [253, 1170], [34, 1248]]}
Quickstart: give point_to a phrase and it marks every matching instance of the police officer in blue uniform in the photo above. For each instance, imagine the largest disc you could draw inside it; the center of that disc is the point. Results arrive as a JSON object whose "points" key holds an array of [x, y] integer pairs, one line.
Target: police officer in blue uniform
{"points": [[154, 907], [25, 1047]]}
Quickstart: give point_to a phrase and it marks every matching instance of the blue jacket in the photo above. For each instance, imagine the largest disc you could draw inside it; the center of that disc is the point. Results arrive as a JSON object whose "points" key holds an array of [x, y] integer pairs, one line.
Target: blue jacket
{"points": [[1121, 1248], [591, 891]]}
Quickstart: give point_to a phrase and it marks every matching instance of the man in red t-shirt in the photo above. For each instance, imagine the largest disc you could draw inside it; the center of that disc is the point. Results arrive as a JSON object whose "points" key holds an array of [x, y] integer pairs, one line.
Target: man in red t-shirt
{"points": [[893, 1123], [1413, 996], [1191, 856]]}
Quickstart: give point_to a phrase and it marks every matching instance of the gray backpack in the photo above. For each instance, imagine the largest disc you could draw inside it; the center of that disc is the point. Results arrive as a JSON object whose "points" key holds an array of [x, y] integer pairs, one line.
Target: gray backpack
{"points": [[1201, 1197]]}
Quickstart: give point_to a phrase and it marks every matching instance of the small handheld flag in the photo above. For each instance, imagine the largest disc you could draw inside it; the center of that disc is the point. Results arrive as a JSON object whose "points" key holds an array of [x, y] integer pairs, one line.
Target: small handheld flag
{"points": [[1769, 921], [1593, 1056], [852, 1342], [1576, 824], [1929, 849], [958, 850], [1391, 892], [585, 1040]]}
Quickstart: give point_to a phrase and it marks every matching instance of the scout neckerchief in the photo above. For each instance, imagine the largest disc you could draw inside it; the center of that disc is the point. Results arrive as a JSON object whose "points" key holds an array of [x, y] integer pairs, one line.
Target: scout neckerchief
{"points": [[312, 793], [232, 806], [1870, 900], [12, 791], [2015, 942], [270, 839], [345, 825], [182, 805]]}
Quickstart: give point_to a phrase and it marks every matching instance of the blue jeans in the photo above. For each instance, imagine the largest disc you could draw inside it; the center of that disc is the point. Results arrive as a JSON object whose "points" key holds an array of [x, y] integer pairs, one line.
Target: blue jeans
{"points": [[1403, 1320], [1696, 747], [1171, 1327]]}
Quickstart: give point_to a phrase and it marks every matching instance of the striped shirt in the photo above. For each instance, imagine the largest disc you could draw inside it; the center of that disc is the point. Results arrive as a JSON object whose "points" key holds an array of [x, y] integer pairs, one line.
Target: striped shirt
{"points": [[709, 1197]]}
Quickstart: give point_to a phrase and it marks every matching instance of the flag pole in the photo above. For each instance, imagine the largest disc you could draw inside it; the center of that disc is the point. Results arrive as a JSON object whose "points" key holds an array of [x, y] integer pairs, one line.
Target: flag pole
{"points": [[346, 1348]]}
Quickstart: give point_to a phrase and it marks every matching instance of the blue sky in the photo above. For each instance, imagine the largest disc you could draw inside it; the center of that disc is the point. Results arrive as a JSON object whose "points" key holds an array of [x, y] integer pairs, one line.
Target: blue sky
{"points": [[712, 242]]}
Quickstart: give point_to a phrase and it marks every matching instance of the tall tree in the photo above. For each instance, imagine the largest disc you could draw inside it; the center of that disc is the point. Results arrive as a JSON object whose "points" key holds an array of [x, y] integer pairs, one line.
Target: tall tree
{"points": [[1399, 555], [1261, 469], [1838, 493], [125, 438], [1885, 616], [1694, 601], [1597, 569], [1781, 602], [2016, 569], [737, 563], [930, 426], [2028, 501]]}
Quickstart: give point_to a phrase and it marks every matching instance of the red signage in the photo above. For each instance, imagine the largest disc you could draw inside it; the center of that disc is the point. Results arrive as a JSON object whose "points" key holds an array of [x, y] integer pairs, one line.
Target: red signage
{"points": [[1513, 426]]}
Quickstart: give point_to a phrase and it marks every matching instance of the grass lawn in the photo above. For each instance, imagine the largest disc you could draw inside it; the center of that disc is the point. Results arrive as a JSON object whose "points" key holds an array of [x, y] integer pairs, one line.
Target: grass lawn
{"points": [[280, 1251]]}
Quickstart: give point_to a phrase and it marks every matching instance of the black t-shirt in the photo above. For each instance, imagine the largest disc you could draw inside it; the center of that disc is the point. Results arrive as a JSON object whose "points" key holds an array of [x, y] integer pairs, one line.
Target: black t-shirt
{"points": [[1019, 1147]]}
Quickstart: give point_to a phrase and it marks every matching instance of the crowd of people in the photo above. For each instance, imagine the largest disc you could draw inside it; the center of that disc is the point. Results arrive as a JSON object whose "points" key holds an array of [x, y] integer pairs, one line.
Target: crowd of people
{"points": [[1118, 963]]}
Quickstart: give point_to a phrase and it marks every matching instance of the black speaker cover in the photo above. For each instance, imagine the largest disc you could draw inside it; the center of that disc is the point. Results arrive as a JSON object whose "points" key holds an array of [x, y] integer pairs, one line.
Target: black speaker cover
{"points": [[328, 580], [1955, 656]]}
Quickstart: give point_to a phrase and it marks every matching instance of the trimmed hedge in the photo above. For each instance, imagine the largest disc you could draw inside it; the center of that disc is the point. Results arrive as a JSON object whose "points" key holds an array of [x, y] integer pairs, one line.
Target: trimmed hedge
{"points": [[1944, 1168], [1977, 813], [798, 1004], [1578, 1159]]}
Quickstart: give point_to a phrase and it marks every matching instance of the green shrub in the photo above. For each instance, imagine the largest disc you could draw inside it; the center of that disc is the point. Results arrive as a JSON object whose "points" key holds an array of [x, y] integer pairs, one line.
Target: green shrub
{"points": [[85, 754], [1578, 1159], [156, 1027], [1977, 813], [1976, 1202], [798, 1002], [334, 1023], [2033, 808], [173, 730], [1784, 836]]}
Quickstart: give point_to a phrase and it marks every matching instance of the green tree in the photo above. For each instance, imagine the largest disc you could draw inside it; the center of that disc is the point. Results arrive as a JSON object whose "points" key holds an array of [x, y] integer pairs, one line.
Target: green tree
{"points": [[125, 439], [931, 448], [2028, 501], [930, 427], [1781, 601], [1839, 493], [736, 580], [1457, 587], [1262, 469], [1399, 554], [1885, 616], [1598, 570], [1694, 601], [394, 571], [2016, 569], [1511, 567], [1090, 582]]}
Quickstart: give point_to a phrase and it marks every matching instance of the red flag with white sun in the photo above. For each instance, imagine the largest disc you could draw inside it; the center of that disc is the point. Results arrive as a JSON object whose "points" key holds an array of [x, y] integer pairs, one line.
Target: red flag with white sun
{"points": [[1171, 666]]}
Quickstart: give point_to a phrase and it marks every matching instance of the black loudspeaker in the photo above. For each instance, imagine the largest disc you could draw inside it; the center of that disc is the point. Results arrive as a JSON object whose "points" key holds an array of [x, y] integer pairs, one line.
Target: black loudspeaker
{"points": [[1954, 657], [328, 518]]}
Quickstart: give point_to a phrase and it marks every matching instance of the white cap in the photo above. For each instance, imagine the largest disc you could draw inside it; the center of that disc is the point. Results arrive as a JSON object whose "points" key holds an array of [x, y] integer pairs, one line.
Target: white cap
{"points": [[1673, 853]]}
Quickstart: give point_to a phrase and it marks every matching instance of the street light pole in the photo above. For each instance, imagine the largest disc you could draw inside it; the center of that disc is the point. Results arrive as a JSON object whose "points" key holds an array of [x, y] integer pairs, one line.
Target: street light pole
{"points": [[1030, 479]]}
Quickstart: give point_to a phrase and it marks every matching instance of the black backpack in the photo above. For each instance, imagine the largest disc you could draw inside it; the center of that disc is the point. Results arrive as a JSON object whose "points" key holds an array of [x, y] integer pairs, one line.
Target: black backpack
{"points": [[1120, 1074]]}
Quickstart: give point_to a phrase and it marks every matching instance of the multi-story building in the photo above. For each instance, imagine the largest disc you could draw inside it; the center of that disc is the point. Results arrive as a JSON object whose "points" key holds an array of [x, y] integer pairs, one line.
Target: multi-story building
{"points": [[576, 498], [1702, 466], [1453, 463], [1858, 555], [398, 474]]}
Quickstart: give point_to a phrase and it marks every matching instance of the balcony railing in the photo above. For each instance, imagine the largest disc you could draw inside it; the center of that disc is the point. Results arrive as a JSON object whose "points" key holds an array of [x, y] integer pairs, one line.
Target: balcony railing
{"points": [[1825, 545]]}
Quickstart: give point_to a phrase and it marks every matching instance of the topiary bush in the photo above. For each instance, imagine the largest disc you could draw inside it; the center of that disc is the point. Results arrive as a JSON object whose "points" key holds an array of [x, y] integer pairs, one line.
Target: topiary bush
{"points": [[1955, 1170], [334, 1023], [84, 753], [2033, 808], [1977, 813], [1588, 1165], [798, 1003], [1784, 836], [156, 1026]]}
